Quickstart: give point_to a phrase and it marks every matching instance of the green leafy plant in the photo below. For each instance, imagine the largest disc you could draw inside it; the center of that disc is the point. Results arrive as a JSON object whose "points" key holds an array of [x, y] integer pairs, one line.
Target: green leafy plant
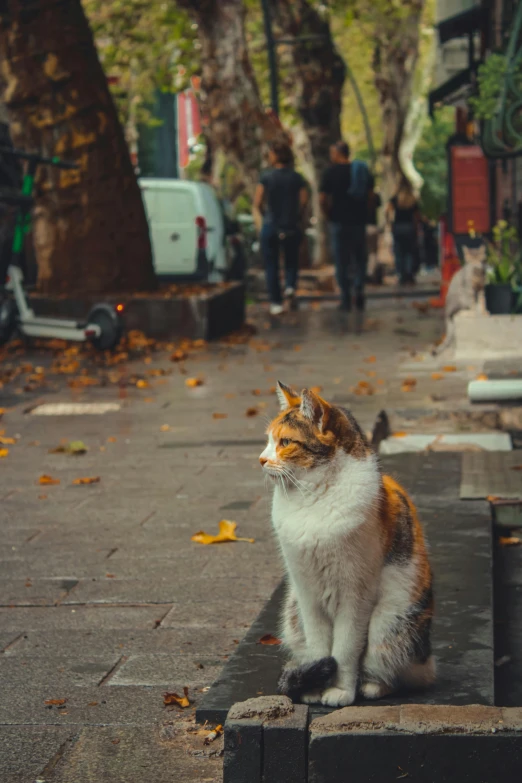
{"points": [[503, 255], [490, 79]]}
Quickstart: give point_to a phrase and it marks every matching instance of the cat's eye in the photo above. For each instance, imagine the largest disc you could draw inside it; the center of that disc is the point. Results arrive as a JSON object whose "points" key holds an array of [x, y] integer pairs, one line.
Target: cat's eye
{"points": [[284, 442]]}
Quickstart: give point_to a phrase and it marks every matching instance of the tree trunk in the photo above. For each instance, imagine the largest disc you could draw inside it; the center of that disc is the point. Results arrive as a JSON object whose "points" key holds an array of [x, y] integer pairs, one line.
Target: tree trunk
{"points": [[233, 115], [319, 74], [90, 230], [395, 58]]}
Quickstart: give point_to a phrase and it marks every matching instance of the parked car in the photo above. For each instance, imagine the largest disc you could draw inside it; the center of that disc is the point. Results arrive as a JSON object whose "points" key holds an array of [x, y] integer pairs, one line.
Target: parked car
{"points": [[187, 229]]}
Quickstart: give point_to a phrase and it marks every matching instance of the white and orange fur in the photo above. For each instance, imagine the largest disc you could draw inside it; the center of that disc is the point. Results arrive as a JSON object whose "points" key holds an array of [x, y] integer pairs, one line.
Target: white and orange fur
{"points": [[359, 596]]}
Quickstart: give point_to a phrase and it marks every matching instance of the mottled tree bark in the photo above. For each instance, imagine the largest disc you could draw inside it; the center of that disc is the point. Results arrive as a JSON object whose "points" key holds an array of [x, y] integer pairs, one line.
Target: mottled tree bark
{"points": [[233, 116], [319, 78], [395, 58], [90, 230]]}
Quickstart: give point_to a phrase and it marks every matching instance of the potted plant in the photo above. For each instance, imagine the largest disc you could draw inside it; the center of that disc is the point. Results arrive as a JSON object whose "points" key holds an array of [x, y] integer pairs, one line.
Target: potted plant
{"points": [[503, 269]]}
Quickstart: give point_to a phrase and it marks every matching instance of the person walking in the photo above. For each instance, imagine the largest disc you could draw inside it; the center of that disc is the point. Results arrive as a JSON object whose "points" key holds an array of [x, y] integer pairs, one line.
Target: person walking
{"points": [[279, 203], [403, 214], [343, 197]]}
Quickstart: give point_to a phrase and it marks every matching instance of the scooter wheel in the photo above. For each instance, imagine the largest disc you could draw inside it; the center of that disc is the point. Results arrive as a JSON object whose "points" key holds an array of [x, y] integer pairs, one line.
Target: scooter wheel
{"points": [[7, 319], [111, 327]]}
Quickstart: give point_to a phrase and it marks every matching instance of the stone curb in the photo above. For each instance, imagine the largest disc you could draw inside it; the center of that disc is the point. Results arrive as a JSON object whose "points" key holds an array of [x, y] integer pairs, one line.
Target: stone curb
{"points": [[266, 739], [420, 719]]}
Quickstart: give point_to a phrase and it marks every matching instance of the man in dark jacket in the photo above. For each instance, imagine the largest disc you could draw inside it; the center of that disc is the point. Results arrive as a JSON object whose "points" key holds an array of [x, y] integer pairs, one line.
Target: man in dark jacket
{"points": [[344, 200]]}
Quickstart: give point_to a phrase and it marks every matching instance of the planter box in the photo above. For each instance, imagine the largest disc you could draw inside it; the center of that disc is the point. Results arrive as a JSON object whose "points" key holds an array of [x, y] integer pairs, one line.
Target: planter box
{"points": [[207, 315], [487, 336]]}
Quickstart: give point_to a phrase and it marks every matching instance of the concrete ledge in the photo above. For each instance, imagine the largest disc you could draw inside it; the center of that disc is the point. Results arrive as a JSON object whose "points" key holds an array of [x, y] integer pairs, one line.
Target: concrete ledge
{"points": [[207, 315], [419, 719], [487, 336], [418, 742], [266, 739]]}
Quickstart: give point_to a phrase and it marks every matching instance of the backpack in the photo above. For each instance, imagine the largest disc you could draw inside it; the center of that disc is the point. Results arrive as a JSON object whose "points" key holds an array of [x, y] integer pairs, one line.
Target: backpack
{"points": [[360, 181]]}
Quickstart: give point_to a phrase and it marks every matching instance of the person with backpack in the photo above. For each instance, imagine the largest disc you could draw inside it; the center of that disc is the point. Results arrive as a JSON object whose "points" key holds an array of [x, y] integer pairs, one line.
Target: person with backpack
{"points": [[279, 203], [344, 194]]}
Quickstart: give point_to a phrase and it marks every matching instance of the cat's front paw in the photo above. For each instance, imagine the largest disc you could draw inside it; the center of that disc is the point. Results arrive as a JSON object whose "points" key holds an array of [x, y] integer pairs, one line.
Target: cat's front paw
{"points": [[337, 697], [314, 697]]}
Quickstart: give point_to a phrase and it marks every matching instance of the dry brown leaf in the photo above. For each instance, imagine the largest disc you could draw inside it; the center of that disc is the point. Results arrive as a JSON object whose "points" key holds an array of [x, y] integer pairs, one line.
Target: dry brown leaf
{"points": [[399, 434], [42, 497], [509, 541], [251, 412], [316, 389], [492, 498], [516, 467], [230, 396], [408, 384], [178, 356], [437, 376], [226, 533], [165, 427], [371, 373], [111, 439], [370, 359], [4, 453], [481, 377], [380, 382], [55, 702], [92, 704], [141, 384], [7, 441], [2, 411], [297, 347], [86, 480], [256, 392], [363, 389], [173, 698], [110, 576], [449, 368], [48, 480], [220, 415], [268, 639], [193, 382]]}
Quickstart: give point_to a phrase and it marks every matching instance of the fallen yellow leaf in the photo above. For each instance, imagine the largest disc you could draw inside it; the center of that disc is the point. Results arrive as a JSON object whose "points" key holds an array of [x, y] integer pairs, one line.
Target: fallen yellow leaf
{"points": [[449, 368], [7, 441], [87, 480], [42, 497], [370, 359], [251, 412], [57, 702], [111, 439], [399, 434], [509, 541], [437, 376], [141, 384], [316, 389], [173, 698], [165, 427], [481, 377], [363, 389], [4, 453], [2, 411], [193, 382], [226, 533], [48, 480], [220, 415]]}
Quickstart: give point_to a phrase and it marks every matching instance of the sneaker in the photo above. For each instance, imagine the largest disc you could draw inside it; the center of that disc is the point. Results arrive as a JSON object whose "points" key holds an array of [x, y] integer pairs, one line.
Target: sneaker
{"points": [[276, 309]]}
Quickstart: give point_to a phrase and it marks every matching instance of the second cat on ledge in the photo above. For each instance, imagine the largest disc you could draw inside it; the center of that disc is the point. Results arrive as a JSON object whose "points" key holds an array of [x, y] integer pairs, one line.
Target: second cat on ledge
{"points": [[359, 604]]}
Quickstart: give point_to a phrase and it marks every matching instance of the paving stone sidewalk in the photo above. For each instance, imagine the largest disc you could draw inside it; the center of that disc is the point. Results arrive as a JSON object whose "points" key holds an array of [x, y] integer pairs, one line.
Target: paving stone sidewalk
{"points": [[105, 601]]}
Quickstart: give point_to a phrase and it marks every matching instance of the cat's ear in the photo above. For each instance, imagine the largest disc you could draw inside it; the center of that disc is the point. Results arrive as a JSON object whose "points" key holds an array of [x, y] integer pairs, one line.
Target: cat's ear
{"points": [[287, 397], [314, 408]]}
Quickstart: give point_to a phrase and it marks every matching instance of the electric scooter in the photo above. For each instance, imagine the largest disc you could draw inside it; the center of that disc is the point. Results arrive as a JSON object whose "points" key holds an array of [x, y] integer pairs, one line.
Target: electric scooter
{"points": [[103, 326]]}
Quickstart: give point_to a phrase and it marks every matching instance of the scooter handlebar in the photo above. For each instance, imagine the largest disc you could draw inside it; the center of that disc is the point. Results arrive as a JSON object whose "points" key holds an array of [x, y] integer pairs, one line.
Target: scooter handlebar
{"points": [[35, 158]]}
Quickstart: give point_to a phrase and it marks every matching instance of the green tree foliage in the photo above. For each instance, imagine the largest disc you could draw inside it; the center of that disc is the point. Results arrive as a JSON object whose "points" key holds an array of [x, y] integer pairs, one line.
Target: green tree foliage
{"points": [[143, 45], [431, 161]]}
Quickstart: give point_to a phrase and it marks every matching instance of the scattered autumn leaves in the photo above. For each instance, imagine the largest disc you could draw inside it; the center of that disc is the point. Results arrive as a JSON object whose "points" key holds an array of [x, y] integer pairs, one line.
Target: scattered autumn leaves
{"points": [[174, 698]]}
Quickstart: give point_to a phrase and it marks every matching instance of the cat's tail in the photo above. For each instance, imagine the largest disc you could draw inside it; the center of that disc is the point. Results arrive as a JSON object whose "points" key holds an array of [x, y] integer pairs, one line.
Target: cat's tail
{"points": [[294, 682], [449, 339]]}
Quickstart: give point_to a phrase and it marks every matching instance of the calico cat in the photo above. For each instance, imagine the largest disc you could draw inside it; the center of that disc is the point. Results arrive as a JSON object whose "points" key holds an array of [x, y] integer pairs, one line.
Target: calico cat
{"points": [[465, 292], [359, 602]]}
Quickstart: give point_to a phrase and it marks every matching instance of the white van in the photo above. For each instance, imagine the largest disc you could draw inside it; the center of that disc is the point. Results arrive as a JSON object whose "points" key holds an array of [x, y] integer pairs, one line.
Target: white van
{"points": [[186, 228]]}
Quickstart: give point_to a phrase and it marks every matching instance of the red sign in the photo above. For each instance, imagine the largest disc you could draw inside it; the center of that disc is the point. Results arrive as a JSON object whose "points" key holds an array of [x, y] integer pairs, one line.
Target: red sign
{"points": [[469, 190], [189, 125]]}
